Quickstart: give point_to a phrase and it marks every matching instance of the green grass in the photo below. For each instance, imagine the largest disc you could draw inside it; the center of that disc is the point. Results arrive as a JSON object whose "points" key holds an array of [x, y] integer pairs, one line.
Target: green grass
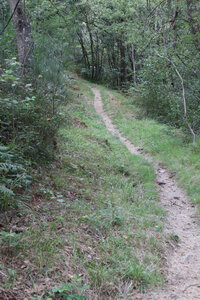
{"points": [[98, 224], [167, 145], [116, 204]]}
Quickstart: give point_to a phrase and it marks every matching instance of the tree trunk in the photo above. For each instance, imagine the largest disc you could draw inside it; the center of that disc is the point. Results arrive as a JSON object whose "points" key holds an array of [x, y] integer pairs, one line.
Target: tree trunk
{"points": [[84, 51], [173, 21], [97, 59], [122, 63], [23, 34], [91, 46], [133, 63], [101, 62], [148, 5]]}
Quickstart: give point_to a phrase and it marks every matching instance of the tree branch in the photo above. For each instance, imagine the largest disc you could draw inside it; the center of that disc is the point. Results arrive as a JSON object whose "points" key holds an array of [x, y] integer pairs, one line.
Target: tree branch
{"points": [[155, 8], [10, 18]]}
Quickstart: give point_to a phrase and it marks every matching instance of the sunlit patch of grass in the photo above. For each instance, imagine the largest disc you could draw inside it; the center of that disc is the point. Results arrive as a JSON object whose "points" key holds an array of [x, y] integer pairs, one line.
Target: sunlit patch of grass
{"points": [[167, 145]]}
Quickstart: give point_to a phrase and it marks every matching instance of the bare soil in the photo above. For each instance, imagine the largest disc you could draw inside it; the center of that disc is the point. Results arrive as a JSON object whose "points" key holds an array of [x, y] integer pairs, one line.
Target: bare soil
{"points": [[182, 267]]}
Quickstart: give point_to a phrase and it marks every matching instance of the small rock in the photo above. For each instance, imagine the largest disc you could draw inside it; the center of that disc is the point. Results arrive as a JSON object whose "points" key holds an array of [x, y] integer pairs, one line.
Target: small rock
{"points": [[139, 148], [189, 257], [161, 182]]}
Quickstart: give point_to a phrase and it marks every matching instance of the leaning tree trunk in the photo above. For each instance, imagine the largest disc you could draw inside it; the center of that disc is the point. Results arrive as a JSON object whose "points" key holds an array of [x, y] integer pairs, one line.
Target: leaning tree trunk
{"points": [[23, 34]]}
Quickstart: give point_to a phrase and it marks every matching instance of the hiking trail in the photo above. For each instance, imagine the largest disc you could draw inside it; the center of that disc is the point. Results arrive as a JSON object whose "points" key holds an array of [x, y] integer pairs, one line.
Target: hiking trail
{"points": [[182, 267]]}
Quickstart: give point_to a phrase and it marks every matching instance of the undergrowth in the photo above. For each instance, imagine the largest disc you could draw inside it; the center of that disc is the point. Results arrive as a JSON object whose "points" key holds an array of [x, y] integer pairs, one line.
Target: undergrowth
{"points": [[29, 122]]}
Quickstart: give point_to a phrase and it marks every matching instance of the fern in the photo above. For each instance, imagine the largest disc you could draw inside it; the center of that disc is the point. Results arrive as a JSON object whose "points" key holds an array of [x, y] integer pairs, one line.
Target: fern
{"points": [[8, 167], [12, 176], [5, 191]]}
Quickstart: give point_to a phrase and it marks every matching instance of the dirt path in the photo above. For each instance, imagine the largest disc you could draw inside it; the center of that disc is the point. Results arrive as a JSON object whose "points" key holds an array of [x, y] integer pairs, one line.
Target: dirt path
{"points": [[183, 261]]}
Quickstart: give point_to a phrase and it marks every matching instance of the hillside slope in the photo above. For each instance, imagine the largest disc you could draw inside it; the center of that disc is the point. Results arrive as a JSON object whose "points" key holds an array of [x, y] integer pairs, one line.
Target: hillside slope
{"points": [[95, 225]]}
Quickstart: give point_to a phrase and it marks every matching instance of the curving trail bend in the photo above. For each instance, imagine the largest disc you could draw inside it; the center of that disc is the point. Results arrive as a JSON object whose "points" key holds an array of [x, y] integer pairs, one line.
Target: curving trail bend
{"points": [[182, 262]]}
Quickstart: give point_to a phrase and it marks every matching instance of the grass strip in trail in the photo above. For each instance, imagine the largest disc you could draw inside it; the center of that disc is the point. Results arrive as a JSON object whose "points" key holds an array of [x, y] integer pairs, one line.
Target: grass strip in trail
{"points": [[98, 230], [166, 145]]}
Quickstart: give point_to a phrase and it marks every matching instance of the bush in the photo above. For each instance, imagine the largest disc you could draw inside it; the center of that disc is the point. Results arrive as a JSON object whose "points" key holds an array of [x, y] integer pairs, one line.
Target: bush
{"points": [[29, 120], [28, 116]]}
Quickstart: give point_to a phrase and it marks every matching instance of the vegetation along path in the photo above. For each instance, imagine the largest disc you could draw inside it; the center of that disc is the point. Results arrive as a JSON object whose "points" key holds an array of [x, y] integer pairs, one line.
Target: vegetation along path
{"points": [[182, 262]]}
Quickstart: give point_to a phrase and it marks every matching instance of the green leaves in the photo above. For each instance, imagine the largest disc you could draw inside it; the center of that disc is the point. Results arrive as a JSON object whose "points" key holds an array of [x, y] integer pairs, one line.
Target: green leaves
{"points": [[10, 238], [69, 291], [13, 175]]}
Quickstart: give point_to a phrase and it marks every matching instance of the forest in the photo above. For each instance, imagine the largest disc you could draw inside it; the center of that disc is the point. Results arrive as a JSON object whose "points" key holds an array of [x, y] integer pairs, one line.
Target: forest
{"points": [[99, 127]]}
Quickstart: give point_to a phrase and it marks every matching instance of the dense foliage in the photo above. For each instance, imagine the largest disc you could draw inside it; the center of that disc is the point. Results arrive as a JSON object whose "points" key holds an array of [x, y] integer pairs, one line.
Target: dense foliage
{"points": [[29, 115], [142, 43]]}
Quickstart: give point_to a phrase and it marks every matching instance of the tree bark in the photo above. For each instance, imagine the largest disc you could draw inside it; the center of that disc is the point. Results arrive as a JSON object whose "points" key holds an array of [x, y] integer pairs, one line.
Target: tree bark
{"points": [[148, 4], [173, 22], [122, 63], [23, 34], [91, 46], [133, 63], [84, 51]]}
